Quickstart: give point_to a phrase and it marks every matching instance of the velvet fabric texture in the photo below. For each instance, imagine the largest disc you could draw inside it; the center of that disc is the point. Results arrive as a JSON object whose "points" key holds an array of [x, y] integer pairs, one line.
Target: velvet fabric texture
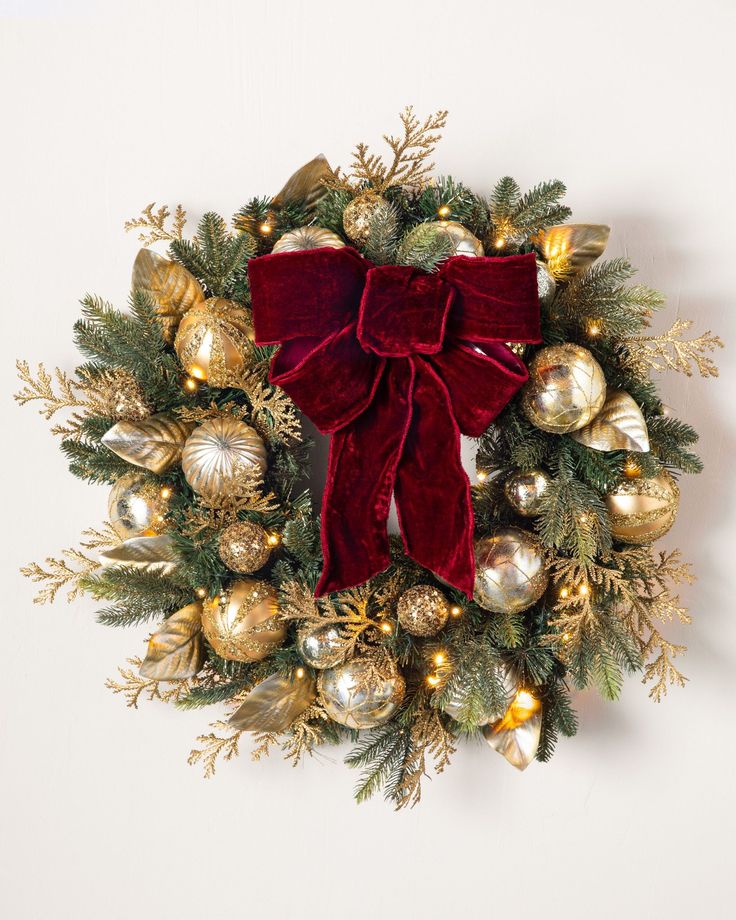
{"points": [[395, 364]]}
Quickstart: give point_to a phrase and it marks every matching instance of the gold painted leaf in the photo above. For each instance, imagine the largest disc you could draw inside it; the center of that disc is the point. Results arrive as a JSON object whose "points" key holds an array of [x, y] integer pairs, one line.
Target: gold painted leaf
{"points": [[152, 554], [154, 443], [570, 249], [176, 650], [306, 185], [273, 704], [619, 425], [174, 289]]}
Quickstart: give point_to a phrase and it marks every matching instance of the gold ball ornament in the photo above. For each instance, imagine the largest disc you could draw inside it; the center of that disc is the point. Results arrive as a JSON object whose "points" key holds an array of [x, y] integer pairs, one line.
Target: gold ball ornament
{"points": [[321, 646], [566, 389], [363, 692], [643, 509], [546, 284], [244, 547], [243, 623], [510, 572], [136, 507], [464, 243], [423, 610], [308, 238], [213, 339], [524, 491], [223, 455], [357, 216]]}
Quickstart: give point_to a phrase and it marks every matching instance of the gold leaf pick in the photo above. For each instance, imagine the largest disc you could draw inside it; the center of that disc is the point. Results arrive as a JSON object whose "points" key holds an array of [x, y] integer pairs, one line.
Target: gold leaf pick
{"points": [[619, 425], [154, 443], [151, 554], [570, 249], [307, 185], [273, 704], [174, 289], [176, 651]]}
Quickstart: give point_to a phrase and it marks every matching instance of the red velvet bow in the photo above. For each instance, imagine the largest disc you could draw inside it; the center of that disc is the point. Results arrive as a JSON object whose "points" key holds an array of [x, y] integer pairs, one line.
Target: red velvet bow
{"points": [[386, 360]]}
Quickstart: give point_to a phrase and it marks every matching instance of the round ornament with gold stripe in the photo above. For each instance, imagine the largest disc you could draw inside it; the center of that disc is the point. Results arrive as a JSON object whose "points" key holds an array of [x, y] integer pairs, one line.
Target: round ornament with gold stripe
{"points": [[308, 238], [213, 340], [524, 491], [464, 243], [642, 509], [364, 691], [510, 571], [243, 623], [222, 455]]}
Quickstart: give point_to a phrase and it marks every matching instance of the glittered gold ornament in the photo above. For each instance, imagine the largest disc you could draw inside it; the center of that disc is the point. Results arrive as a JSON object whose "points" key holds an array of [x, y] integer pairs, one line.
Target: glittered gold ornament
{"points": [[619, 425], [308, 238], [423, 610], [135, 507], [176, 651], [516, 735], [643, 509], [155, 443], [321, 646], [243, 623], [171, 286], [306, 186], [357, 216], [570, 249], [510, 571], [272, 705], [222, 455], [213, 340], [566, 389], [244, 547], [524, 491], [363, 692], [149, 554], [459, 707], [546, 284], [464, 243]]}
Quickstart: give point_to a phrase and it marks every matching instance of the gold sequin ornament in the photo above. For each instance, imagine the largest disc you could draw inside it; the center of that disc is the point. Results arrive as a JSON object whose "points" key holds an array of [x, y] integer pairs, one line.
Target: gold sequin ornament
{"points": [[357, 216], [363, 692], [173, 289], [510, 571], [524, 491], [213, 340], [423, 610], [308, 238], [243, 623], [135, 507], [244, 547], [321, 646], [643, 509], [566, 389], [223, 455], [464, 243]]}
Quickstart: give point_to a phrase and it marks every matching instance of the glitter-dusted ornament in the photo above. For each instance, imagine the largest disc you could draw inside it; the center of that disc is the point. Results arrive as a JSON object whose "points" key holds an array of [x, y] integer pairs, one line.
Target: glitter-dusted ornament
{"points": [[135, 507], [308, 238], [357, 216], [423, 610], [213, 339], [546, 284], [524, 491], [566, 389], [175, 650], [321, 646], [243, 623], [643, 509], [223, 455], [155, 443], [272, 705], [363, 692], [620, 425], [510, 572], [244, 547], [464, 243], [173, 289], [460, 707]]}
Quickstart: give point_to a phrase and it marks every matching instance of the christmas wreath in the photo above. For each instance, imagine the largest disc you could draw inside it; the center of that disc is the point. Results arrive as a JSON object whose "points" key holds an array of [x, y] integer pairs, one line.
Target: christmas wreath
{"points": [[397, 312]]}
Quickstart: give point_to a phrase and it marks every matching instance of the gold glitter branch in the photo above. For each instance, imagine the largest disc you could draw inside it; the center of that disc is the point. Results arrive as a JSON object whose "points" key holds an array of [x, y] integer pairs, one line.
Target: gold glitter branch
{"points": [[42, 386], [348, 610], [274, 414], [216, 746], [429, 738], [153, 226], [133, 686], [669, 351]]}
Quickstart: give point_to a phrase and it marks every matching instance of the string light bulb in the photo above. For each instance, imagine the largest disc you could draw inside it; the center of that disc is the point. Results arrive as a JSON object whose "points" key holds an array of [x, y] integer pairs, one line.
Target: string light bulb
{"points": [[166, 493], [583, 590], [273, 539], [444, 210], [191, 385], [433, 680], [565, 592], [265, 228], [386, 627], [300, 673], [482, 475], [499, 242], [455, 611], [201, 593], [594, 328], [440, 658]]}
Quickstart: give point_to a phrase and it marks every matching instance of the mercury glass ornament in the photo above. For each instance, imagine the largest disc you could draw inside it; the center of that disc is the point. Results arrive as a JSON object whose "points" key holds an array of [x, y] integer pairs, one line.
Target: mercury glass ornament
{"points": [[363, 692], [243, 623], [308, 238], [510, 572], [244, 547], [423, 610], [643, 509], [357, 216], [524, 491], [463, 241], [566, 389], [223, 455], [135, 507], [321, 646], [213, 339], [546, 284]]}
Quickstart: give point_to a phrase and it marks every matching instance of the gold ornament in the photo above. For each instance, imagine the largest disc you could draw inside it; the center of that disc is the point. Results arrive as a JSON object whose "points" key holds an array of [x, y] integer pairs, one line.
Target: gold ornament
{"points": [[357, 216], [363, 692], [308, 238], [423, 610], [272, 705], [222, 455], [643, 509], [244, 547], [136, 507], [155, 443], [524, 491], [172, 287], [456, 705], [619, 425], [570, 249], [213, 339], [307, 185], [150, 554], [321, 646], [566, 389], [175, 651], [243, 623], [510, 572], [546, 284], [464, 243], [516, 736]]}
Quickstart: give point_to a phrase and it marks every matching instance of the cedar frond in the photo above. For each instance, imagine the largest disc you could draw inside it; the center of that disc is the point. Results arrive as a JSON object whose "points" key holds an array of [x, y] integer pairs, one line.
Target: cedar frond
{"points": [[133, 686], [153, 225], [670, 351]]}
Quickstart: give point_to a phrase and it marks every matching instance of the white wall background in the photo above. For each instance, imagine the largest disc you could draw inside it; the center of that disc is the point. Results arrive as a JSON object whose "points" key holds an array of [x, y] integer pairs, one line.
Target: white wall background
{"points": [[107, 106]]}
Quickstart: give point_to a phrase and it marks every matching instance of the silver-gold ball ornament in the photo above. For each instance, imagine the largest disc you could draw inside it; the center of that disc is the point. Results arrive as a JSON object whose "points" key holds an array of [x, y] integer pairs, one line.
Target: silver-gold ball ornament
{"points": [[321, 646], [136, 507], [363, 692], [357, 216], [243, 623], [524, 491], [464, 243], [566, 389], [546, 284], [510, 571], [643, 509], [244, 547], [423, 610], [223, 455], [213, 339], [308, 238]]}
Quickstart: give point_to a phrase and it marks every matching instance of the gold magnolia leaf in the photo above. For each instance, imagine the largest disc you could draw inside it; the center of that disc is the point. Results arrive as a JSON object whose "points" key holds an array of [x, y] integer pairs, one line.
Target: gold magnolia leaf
{"points": [[174, 289], [619, 425], [570, 249], [176, 650], [151, 554], [306, 185], [273, 704], [154, 443]]}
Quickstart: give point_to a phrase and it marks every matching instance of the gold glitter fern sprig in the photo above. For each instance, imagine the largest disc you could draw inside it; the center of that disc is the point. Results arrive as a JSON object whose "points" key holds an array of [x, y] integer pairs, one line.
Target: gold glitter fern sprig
{"points": [[670, 351], [134, 687], [153, 224]]}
